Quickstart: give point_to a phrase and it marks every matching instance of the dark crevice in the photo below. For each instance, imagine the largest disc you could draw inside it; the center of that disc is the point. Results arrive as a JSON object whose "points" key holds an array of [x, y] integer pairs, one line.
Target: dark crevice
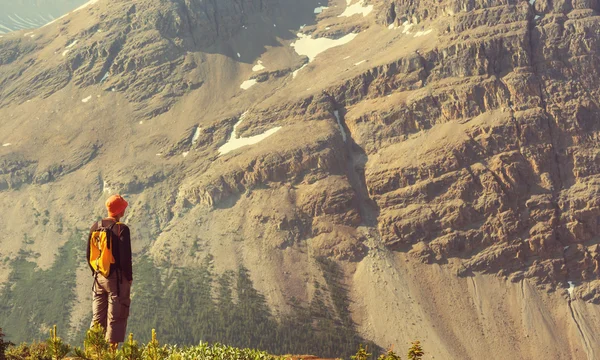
{"points": [[512, 111], [186, 12], [550, 126], [553, 139], [426, 69], [113, 52], [587, 348], [355, 170], [542, 89]]}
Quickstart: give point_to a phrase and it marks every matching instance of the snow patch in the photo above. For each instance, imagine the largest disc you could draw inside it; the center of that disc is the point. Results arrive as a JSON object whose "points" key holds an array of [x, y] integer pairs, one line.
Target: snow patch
{"points": [[320, 9], [258, 67], [571, 288], [106, 188], [104, 77], [423, 33], [347, 57], [141, 122], [238, 55], [337, 116], [86, 99], [306, 45], [358, 8], [69, 47], [391, 26], [196, 135], [532, 2], [248, 84], [27, 22], [537, 17], [5, 28], [406, 27], [185, 153], [7, 144], [236, 142], [18, 23], [360, 62], [295, 73]]}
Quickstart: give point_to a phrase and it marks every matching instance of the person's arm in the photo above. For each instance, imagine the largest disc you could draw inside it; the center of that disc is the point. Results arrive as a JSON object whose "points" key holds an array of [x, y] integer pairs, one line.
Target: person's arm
{"points": [[125, 249]]}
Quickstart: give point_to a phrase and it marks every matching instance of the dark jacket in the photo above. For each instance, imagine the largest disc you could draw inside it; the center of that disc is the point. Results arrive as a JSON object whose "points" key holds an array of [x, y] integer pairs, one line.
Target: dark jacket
{"points": [[121, 248]]}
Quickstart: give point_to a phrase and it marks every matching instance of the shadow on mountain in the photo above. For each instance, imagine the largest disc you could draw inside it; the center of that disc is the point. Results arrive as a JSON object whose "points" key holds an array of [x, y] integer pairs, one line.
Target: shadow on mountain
{"points": [[229, 28], [196, 305]]}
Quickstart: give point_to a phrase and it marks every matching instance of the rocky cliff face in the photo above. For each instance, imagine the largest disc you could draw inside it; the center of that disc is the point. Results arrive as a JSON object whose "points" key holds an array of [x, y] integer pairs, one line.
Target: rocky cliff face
{"points": [[142, 49], [506, 185], [455, 137]]}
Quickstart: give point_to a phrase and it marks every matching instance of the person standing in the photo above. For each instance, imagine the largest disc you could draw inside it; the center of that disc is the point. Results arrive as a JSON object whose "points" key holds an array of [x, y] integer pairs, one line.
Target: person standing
{"points": [[109, 258]]}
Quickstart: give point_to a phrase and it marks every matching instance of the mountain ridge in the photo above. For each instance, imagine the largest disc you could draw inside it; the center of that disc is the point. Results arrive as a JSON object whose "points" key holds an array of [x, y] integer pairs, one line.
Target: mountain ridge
{"points": [[453, 140]]}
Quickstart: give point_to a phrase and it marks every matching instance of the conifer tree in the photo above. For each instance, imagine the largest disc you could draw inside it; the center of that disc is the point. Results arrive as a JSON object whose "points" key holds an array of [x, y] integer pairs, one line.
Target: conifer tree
{"points": [[153, 350], [131, 350], [415, 352], [57, 349], [361, 354], [96, 346]]}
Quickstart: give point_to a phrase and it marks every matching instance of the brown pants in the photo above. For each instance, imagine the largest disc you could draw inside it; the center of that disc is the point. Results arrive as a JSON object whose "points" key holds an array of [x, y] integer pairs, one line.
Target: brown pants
{"points": [[109, 309]]}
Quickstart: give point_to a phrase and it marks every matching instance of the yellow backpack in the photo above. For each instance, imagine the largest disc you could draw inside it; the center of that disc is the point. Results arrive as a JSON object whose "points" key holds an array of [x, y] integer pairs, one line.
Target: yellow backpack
{"points": [[101, 245]]}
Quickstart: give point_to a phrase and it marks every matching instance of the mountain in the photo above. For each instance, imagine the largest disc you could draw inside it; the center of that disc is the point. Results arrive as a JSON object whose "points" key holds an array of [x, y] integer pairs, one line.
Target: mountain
{"points": [[316, 174]]}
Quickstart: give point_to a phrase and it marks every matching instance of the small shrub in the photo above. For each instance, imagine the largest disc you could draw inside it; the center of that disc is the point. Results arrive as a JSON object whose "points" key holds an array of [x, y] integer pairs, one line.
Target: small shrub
{"points": [[96, 347], [416, 351], [361, 354], [153, 350], [35, 351], [79, 353], [390, 355], [56, 348], [131, 350]]}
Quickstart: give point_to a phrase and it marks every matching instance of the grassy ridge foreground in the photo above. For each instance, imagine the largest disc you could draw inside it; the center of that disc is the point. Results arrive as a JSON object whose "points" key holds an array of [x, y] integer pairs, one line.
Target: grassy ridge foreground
{"points": [[96, 348]]}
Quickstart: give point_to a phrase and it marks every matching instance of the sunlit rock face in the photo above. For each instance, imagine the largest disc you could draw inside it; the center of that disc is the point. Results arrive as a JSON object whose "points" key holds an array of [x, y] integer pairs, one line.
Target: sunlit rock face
{"points": [[443, 153]]}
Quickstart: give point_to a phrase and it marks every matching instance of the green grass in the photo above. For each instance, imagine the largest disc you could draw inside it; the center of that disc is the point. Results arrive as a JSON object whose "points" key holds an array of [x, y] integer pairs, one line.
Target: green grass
{"points": [[96, 348]]}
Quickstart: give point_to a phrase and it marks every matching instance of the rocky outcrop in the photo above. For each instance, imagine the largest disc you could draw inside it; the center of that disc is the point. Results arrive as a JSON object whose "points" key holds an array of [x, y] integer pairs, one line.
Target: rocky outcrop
{"points": [[72, 162], [15, 171], [142, 50], [305, 162], [493, 158]]}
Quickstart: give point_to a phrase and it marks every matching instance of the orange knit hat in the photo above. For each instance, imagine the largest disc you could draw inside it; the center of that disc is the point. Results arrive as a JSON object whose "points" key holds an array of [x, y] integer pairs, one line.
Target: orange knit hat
{"points": [[116, 205]]}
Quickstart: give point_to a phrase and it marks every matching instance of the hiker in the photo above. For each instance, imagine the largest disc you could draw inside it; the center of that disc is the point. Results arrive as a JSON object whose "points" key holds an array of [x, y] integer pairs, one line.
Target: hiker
{"points": [[109, 258]]}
